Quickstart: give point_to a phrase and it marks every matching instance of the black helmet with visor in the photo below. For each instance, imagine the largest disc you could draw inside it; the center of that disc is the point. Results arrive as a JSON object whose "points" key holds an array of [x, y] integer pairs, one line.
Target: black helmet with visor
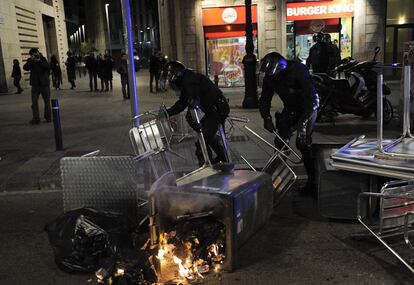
{"points": [[175, 74], [272, 64]]}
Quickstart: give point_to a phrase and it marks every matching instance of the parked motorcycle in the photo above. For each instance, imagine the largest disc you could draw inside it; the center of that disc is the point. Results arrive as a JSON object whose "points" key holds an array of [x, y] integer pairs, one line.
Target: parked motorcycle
{"points": [[355, 94]]}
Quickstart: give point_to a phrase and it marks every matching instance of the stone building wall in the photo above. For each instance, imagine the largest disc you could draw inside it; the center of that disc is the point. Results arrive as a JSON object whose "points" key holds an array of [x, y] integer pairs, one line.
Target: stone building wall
{"points": [[369, 28], [21, 28]]}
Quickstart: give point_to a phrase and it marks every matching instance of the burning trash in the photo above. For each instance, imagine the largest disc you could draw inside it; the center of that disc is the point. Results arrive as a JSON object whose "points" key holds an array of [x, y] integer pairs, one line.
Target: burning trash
{"points": [[186, 252], [190, 249], [133, 268]]}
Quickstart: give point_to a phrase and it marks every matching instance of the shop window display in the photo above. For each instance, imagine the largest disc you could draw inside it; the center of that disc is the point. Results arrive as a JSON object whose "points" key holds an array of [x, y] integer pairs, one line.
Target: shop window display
{"points": [[225, 60]]}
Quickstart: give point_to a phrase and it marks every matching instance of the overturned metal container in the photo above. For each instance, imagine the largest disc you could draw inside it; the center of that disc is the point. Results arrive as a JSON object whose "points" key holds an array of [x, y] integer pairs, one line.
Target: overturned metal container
{"points": [[241, 200]]}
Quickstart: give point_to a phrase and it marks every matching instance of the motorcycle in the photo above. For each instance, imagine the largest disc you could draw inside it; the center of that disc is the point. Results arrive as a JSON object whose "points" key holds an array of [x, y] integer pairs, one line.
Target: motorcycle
{"points": [[355, 94]]}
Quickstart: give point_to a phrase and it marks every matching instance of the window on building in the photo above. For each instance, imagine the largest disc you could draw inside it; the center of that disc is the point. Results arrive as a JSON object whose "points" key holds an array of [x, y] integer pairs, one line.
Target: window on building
{"points": [[400, 12]]}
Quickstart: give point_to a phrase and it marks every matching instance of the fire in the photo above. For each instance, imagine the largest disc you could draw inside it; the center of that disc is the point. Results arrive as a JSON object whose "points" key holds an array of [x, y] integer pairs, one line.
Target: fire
{"points": [[188, 266], [184, 272]]}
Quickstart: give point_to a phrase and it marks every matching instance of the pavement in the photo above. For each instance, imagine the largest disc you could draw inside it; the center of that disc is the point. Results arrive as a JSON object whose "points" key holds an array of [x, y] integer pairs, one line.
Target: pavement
{"points": [[296, 246]]}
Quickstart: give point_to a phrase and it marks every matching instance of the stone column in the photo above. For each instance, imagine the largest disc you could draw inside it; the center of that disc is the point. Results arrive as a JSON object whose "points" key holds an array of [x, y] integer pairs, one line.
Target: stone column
{"points": [[368, 28], [60, 24], [95, 24]]}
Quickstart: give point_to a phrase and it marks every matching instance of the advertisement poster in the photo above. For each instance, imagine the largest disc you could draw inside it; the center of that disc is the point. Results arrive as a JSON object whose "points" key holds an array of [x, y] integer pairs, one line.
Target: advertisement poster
{"points": [[346, 37], [224, 57]]}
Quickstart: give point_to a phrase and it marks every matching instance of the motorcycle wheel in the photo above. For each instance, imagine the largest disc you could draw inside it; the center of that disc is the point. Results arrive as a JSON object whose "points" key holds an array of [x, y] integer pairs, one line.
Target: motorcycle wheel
{"points": [[387, 111]]}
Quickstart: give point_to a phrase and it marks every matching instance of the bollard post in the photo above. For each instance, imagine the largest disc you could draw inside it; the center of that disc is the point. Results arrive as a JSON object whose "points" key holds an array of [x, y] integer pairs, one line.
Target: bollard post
{"points": [[56, 124]]}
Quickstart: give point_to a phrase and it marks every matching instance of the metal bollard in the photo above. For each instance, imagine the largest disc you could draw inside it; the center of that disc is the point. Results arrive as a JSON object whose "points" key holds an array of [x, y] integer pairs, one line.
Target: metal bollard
{"points": [[56, 124]]}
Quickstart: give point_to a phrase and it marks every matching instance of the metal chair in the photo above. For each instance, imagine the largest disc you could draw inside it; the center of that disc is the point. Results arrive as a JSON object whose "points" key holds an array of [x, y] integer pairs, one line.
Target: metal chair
{"points": [[283, 176], [154, 135], [231, 121], [181, 128], [396, 215]]}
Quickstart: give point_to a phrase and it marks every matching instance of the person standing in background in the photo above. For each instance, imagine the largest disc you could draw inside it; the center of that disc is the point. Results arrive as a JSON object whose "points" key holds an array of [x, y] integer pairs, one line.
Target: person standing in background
{"points": [[39, 80], [17, 76], [90, 64], [154, 69], [318, 59], [71, 69], [163, 72], [123, 71], [107, 70], [56, 72], [99, 70], [333, 53]]}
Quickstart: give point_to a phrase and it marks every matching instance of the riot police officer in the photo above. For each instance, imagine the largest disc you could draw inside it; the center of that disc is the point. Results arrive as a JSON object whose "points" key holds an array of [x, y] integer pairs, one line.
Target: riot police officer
{"points": [[334, 54], [318, 57], [292, 82], [198, 91]]}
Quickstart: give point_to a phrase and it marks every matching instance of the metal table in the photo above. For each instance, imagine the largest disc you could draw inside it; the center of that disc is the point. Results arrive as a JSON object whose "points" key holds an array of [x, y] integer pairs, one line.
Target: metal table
{"points": [[382, 157]]}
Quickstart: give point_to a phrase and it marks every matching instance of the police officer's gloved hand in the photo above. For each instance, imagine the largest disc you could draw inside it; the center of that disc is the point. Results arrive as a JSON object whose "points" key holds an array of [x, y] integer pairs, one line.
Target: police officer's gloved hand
{"points": [[268, 124]]}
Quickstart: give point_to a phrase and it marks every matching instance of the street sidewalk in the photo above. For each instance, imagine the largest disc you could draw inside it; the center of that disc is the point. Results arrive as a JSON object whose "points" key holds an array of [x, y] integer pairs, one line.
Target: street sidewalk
{"points": [[101, 121], [296, 246]]}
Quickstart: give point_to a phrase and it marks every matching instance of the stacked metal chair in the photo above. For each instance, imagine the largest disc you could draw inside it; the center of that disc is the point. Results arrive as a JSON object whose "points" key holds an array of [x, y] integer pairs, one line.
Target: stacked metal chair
{"points": [[395, 218]]}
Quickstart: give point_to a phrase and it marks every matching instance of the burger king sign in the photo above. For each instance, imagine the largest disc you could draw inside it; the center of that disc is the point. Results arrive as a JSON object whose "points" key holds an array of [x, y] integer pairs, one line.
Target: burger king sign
{"points": [[229, 15]]}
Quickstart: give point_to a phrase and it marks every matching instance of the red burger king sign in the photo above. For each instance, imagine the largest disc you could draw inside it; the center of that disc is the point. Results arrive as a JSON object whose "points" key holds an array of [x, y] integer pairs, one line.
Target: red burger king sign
{"points": [[319, 10]]}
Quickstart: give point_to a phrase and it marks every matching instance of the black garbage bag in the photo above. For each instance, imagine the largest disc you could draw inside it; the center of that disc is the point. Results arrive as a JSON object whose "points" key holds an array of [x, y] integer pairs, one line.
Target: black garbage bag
{"points": [[82, 239]]}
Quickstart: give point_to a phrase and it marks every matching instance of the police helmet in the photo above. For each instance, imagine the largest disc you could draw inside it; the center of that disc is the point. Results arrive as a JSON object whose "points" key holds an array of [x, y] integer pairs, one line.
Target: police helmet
{"points": [[327, 38], [272, 64], [175, 74], [317, 37]]}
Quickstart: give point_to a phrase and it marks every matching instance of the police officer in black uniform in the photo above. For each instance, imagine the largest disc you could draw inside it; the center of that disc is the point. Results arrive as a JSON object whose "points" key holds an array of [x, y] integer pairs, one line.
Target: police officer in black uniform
{"points": [[334, 54], [198, 91], [292, 82], [318, 57]]}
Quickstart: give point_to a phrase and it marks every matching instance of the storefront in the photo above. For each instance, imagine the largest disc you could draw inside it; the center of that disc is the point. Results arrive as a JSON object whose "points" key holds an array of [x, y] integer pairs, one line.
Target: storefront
{"points": [[303, 19], [225, 41]]}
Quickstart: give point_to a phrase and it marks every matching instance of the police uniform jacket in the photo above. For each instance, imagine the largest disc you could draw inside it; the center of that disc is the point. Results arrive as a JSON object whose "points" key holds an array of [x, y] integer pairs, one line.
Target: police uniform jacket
{"points": [[294, 87], [198, 90]]}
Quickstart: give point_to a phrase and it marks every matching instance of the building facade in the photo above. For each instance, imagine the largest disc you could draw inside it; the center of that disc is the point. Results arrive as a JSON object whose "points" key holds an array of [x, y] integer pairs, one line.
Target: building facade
{"points": [[208, 35], [25, 24]]}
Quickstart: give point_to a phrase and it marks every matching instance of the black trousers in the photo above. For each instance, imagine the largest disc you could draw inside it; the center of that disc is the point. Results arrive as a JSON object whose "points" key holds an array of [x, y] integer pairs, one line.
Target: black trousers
{"points": [[44, 91], [286, 124], [16, 83], [56, 80], [102, 84], [156, 76], [72, 82], [125, 86], [209, 127], [93, 81]]}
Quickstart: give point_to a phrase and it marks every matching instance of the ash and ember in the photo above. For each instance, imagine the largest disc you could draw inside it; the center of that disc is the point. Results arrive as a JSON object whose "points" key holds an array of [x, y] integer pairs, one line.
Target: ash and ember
{"points": [[185, 252]]}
